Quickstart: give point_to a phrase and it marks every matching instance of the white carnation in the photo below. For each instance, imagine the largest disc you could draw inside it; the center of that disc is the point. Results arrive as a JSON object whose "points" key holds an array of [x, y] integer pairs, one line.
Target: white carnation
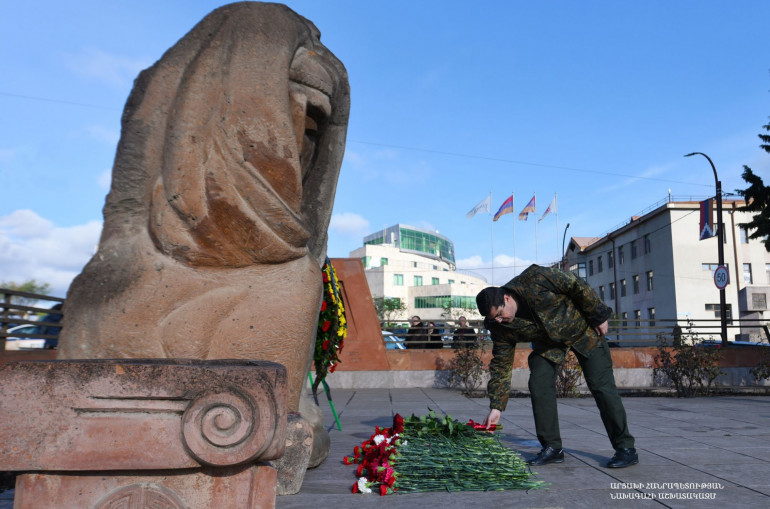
{"points": [[362, 487]]}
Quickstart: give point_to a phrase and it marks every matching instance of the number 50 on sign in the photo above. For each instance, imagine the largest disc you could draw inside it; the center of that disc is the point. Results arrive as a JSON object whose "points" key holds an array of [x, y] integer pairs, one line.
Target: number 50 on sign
{"points": [[721, 277]]}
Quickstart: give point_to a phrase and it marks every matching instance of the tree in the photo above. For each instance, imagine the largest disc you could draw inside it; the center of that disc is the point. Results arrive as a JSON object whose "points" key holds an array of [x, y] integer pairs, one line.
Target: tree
{"points": [[757, 197], [388, 308], [29, 286]]}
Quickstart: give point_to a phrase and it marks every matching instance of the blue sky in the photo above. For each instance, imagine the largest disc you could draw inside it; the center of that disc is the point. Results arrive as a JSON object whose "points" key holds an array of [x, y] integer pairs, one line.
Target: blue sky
{"points": [[594, 100]]}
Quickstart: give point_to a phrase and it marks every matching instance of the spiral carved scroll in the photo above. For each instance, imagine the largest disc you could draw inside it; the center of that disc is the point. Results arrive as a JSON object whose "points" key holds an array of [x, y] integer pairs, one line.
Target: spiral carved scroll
{"points": [[228, 427]]}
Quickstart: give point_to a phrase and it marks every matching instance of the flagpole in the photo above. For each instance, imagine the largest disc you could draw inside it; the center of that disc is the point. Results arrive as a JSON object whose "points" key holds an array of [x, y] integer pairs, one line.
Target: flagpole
{"points": [[534, 197], [492, 239], [513, 220], [557, 220]]}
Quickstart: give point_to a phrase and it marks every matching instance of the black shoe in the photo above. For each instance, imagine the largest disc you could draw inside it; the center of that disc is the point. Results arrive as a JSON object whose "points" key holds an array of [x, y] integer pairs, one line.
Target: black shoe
{"points": [[547, 455], [623, 458]]}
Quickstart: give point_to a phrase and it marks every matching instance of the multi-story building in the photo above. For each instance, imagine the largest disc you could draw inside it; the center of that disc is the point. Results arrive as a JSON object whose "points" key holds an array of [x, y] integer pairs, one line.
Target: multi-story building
{"points": [[417, 266], [655, 267]]}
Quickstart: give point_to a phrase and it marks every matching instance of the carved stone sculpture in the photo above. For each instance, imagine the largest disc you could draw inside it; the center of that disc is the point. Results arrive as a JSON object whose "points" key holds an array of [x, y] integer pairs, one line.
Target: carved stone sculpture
{"points": [[222, 189], [144, 433]]}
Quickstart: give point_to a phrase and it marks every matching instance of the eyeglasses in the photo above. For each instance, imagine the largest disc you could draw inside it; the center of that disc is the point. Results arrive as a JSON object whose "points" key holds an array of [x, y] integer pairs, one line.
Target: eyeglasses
{"points": [[498, 317]]}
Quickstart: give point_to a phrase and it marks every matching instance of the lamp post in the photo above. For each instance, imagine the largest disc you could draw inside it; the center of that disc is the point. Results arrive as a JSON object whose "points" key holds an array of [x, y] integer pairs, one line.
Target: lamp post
{"points": [[563, 265], [721, 248]]}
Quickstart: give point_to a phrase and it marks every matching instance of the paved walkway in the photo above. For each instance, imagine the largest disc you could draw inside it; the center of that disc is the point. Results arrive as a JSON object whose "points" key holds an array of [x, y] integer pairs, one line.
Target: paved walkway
{"points": [[700, 452]]}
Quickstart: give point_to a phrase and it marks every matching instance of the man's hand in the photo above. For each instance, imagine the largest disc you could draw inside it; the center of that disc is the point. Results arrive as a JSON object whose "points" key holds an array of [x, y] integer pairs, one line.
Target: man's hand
{"points": [[601, 329], [492, 418]]}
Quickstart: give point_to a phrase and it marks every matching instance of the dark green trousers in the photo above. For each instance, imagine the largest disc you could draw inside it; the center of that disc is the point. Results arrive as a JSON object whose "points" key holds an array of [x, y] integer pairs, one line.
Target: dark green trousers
{"points": [[597, 370]]}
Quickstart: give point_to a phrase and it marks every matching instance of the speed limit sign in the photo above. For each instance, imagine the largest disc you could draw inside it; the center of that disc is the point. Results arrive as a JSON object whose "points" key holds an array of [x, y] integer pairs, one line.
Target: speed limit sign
{"points": [[721, 277]]}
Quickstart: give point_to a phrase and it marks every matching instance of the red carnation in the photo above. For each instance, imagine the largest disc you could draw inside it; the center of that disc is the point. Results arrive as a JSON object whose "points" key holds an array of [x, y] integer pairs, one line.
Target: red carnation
{"points": [[398, 424], [383, 490], [323, 306], [326, 325], [325, 345], [355, 488], [325, 277]]}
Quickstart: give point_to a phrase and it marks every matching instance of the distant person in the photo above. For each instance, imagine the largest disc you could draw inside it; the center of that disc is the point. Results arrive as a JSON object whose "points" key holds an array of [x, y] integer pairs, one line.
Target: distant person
{"points": [[557, 312], [417, 335], [434, 336], [463, 335]]}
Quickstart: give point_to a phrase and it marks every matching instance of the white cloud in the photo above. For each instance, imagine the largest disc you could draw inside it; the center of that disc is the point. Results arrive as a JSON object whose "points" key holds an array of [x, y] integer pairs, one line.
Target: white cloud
{"points": [[105, 179], [112, 69], [108, 136], [32, 247], [349, 224], [25, 223]]}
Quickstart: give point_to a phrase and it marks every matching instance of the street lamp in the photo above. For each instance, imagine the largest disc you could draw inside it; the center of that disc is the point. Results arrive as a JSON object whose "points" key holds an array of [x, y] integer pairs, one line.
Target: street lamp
{"points": [[721, 248], [563, 265]]}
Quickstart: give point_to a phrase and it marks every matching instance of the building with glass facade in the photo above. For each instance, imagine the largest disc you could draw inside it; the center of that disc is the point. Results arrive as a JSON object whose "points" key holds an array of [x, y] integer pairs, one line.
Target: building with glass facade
{"points": [[417, 266]]}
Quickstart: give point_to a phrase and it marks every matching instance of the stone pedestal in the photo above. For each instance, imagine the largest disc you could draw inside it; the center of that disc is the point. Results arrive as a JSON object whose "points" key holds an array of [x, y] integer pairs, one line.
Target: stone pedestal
{"points": [[143, 433]]}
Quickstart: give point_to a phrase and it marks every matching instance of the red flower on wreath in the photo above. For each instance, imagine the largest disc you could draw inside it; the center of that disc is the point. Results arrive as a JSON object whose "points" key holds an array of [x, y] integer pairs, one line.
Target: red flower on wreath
{"points": [[323, 306], [325, 345], [325, 326]]}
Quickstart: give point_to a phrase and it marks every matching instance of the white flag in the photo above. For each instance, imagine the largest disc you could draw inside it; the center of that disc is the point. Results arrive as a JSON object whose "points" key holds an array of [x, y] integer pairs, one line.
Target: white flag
{"points": [[551, 208], [484, 205]]}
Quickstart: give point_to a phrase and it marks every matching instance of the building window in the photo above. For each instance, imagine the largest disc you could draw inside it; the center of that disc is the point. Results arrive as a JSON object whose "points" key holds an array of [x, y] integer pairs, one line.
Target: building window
{"points": [[451, 281], [647, 244], [651, 316], [621, 257], [601, 292], [599, 267], [383, 261], [747, 274], [649, 280], [744, 234], [633, 250], [715, 309], [398, 280], [435, 267], [443, 301], [434, 280], [612, 291], [417, 280], [590, 267], [636, 283], [759, 300], [579, 269], [414, 264], [712, 267], [366, 261], [610, 259], [638, 317], [622, 287], [624, 316]]}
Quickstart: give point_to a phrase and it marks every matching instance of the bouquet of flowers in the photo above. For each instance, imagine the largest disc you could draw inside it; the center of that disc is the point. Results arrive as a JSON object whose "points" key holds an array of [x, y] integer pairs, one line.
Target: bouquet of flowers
{"points": [[332, 327], [421, 454]]}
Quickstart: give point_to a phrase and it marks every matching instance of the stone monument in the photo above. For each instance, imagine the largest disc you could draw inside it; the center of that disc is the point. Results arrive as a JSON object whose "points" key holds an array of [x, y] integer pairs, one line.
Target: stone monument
{"points": [[215, 226]]}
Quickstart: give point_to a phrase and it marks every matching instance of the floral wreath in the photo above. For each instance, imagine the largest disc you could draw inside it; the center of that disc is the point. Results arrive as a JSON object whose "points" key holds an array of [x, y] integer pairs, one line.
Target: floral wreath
{"points": [[332, 327]]}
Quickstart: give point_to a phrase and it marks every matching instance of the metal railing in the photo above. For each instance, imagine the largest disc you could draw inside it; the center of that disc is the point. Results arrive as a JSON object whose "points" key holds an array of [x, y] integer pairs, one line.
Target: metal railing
{"points": [[627, 332], [13, 313]]}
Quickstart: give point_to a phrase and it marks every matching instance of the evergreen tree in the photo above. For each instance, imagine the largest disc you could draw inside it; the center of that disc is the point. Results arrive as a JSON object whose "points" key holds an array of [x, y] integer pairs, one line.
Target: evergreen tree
{"points": [[757, 197]]}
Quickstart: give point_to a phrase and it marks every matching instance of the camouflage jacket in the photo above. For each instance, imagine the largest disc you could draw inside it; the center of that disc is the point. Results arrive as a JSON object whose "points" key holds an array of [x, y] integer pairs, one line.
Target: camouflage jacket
{"points": [[564, 310]]}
